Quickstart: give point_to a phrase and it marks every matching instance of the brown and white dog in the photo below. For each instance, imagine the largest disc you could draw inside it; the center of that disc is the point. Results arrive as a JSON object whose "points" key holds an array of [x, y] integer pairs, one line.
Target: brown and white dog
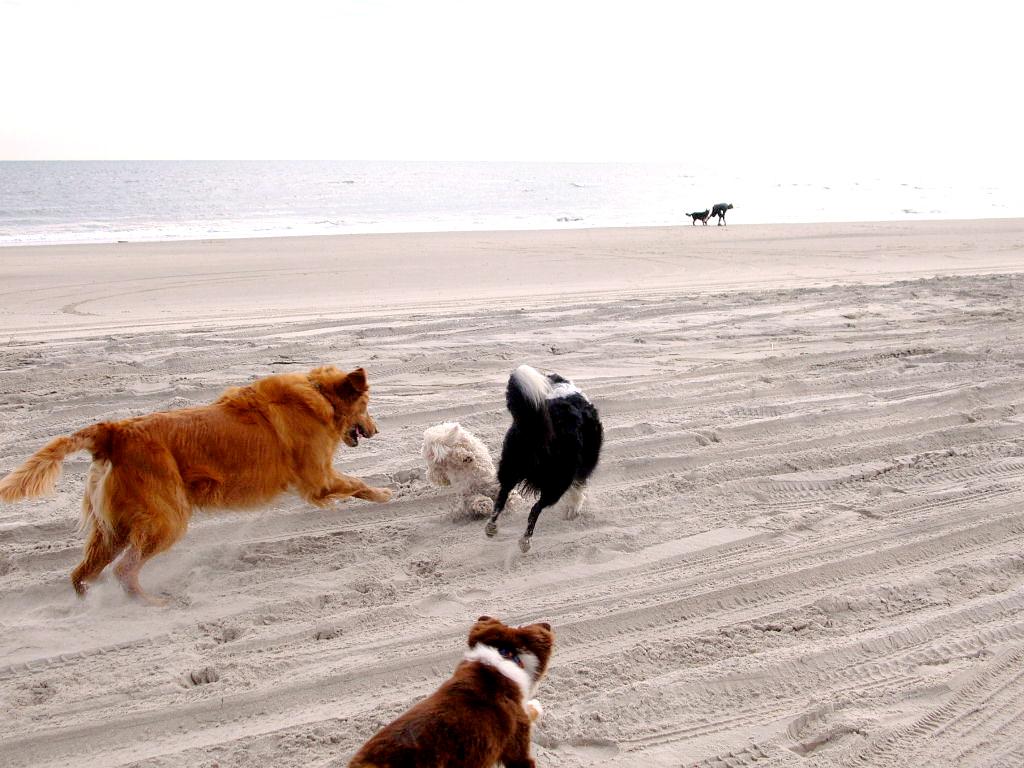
{"points": [[484, 712], [148, 473]]}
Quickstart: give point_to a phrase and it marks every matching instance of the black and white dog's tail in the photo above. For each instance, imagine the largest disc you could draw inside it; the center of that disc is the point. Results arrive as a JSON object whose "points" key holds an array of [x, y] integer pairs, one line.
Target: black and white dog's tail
{"points": [[527, 399]]}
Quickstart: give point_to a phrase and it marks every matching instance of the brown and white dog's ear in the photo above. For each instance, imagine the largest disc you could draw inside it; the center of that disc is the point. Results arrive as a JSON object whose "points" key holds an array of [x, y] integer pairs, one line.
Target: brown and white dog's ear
{"points": [[538, 639], [481, 628], [541, 632], [354, 384]]}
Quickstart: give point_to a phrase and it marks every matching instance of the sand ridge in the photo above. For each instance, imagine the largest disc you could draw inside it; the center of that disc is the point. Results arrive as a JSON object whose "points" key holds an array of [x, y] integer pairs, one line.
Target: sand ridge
{"points": [[802, 546]]}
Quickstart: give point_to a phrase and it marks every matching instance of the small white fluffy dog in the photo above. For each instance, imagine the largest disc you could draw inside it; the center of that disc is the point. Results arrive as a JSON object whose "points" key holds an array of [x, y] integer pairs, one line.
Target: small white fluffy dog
{"points": [[456, 457]]}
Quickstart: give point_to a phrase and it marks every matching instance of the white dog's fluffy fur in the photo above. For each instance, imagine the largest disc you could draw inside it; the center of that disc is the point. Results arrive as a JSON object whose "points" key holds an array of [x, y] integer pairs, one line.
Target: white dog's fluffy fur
{"points": [[456, 457]]}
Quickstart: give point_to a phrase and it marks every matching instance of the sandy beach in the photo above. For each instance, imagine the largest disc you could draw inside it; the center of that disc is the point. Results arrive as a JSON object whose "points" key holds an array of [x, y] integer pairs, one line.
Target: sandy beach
{"points": [[803, 545]]}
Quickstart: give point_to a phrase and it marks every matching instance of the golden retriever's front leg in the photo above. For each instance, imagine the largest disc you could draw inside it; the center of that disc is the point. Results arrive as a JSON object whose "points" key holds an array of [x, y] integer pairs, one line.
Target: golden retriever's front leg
{"points": [[342, 486]]}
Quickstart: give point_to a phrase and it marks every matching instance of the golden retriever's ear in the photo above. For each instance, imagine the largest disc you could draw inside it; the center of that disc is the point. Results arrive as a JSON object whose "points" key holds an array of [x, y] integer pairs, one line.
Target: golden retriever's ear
{"points": [[358, 380], [354, 384]]}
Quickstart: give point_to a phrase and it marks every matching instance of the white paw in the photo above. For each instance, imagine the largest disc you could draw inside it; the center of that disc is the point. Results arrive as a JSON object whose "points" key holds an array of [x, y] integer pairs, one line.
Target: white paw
{"points": [[491, 529], [573, 502], [534, 710], [524, 544], [481, 506]]}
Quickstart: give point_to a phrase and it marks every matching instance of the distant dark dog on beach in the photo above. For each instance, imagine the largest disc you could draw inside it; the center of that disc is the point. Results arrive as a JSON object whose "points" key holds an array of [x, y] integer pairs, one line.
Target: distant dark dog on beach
{"points": [[700, 216], [551, 448], [719, 211]]}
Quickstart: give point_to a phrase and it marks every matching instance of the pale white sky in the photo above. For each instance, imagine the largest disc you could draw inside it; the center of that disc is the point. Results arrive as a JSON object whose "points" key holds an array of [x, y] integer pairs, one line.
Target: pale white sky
{"points": [[894, 85]]}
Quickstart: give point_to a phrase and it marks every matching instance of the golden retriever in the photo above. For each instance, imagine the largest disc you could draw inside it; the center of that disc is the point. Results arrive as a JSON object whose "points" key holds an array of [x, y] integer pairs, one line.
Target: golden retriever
{"points": [[255, 442]]}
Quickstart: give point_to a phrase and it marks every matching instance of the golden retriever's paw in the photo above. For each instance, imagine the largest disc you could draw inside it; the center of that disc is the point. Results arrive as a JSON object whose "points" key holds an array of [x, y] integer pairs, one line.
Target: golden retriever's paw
{"points": [[380, 495], [534, 710]]}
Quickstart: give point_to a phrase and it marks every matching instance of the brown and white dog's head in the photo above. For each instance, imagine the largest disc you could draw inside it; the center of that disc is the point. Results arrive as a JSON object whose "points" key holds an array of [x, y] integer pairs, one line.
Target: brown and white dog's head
{"points": [[349, 396], [519, 653]]}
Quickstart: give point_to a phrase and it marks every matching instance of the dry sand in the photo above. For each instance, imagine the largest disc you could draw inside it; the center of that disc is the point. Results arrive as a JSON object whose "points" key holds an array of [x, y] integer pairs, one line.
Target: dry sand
{"points": [[803, 546]]}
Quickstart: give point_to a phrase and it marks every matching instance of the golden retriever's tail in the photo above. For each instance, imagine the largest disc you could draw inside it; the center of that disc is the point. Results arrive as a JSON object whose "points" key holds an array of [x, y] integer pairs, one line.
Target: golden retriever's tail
{"points": [[40, 473]]}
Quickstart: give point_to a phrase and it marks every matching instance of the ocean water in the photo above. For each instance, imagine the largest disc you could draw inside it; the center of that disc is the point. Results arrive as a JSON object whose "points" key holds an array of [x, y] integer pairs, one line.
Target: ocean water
{"points": [[71, 202]]}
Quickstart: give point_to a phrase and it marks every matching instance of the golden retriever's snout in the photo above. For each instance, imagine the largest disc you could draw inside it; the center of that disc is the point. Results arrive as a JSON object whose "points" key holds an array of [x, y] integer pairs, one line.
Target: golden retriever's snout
{"points": [[367, 428]]}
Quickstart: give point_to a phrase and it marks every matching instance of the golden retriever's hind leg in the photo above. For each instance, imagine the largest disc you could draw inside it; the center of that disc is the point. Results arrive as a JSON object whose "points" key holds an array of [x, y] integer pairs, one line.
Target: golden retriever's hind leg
{"points": [[127, 571], [100, 551], [149, 537]]}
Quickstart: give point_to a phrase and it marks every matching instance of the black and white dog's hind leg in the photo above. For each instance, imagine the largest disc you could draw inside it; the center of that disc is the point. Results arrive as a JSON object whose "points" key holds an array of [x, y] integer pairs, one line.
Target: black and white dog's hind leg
{"points": [[548, 498], [510, 474], [499, 506]]}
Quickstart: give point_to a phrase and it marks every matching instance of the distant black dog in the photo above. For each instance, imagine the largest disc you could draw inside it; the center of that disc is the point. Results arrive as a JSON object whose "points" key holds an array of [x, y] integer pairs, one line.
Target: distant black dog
{"points": [[719, 211], [552, 446], [700, 216]]}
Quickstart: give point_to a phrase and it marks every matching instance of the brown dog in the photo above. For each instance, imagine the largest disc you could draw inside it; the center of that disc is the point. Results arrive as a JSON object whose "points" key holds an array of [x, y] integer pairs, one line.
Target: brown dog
{"points": [[150, 472], [481, 715]]}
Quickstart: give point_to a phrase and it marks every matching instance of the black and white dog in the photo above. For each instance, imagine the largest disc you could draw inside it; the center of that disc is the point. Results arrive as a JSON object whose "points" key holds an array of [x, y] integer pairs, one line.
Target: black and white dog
{"points": [[552, 446], [700, 216]]}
